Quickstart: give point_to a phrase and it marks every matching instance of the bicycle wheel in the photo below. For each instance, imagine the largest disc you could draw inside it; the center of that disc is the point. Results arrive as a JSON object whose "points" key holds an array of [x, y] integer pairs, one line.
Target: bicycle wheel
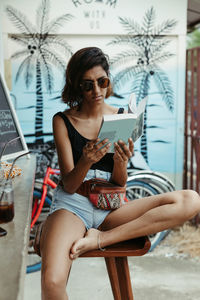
{"points": [[157, 180], [139, 189], [157, 238], [33, 260], [136, 189]]}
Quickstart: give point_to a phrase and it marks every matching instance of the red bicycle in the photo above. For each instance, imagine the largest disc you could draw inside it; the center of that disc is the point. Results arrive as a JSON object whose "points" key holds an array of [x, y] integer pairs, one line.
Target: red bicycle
{"points": [[42, 198]]}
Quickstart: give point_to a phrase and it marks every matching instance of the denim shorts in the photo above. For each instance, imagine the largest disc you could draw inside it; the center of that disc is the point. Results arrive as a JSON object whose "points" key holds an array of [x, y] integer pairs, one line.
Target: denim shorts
{"points": [[91, 216]]}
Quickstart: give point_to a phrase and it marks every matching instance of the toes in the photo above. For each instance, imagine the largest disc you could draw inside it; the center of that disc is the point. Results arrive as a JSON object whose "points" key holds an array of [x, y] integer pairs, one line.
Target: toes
{"points": [[85, 244], [73, 256], [76, 254], [76, 250]]}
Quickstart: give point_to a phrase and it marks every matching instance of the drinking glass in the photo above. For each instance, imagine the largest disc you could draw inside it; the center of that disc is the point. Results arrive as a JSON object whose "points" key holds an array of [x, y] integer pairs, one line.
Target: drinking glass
{"points": [[6, 194], [6, 203], [6, 191]]}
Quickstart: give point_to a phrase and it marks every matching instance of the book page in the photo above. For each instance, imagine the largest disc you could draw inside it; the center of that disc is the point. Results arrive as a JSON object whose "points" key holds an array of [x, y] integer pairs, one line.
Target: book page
{"points": [[139, 110], [138, 129], [132, 107], [141, 106]]}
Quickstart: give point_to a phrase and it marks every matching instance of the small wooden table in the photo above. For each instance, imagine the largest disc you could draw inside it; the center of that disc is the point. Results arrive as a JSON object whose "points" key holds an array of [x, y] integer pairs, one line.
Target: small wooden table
{"points": [[13, 246]]}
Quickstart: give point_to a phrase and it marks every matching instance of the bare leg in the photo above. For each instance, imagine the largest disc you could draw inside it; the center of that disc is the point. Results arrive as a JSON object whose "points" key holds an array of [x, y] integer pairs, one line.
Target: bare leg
{"points": [[141, 217], [60, 231]]}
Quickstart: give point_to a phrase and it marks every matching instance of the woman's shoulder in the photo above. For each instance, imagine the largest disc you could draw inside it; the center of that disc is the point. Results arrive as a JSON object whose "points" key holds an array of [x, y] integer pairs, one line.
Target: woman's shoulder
{"points": [[62, 119], [72, 112], [66, 112]]}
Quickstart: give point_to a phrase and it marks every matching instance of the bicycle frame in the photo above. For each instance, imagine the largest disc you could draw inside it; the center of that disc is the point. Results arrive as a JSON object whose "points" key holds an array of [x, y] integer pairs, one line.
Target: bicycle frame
{"points": [[47, 181]]}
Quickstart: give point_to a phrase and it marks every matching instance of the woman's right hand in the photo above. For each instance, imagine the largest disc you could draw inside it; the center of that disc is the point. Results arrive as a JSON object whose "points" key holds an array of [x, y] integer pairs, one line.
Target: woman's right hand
{"points": [[94, 150]]}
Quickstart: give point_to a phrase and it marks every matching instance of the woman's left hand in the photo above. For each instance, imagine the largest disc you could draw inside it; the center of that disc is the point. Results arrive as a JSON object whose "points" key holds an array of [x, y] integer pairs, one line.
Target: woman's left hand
{"points": [[122, 151]]}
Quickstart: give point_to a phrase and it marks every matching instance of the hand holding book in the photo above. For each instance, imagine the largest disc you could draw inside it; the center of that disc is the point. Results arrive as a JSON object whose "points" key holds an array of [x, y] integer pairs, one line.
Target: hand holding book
{"points": [[123, 126]]}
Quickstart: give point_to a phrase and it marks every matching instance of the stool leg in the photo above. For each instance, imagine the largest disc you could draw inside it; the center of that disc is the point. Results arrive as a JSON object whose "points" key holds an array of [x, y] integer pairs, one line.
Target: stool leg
{"points": [[113, 275], [124, 278]]}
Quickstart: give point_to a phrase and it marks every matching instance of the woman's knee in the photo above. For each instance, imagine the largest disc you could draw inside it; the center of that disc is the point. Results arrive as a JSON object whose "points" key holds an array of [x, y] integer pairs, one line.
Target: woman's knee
{"points": [[189, 203], [52, 280]]}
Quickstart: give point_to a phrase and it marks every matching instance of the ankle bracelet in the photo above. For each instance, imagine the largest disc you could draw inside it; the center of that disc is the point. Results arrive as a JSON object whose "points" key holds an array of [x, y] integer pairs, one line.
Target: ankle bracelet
{"points": [[99, 243]]}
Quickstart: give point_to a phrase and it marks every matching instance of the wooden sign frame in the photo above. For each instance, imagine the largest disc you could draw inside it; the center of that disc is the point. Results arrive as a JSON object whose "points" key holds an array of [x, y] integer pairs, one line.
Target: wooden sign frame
{"points": [[9, 126]]}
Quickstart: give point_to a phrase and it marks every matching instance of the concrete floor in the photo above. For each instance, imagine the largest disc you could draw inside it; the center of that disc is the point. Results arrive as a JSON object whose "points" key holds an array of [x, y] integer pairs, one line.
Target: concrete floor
{"points": [[153, 278]]}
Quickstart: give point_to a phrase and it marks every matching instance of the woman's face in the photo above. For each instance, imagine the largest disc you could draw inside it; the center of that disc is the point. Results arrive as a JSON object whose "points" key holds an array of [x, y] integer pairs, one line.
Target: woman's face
{"points": [[94, 84]]}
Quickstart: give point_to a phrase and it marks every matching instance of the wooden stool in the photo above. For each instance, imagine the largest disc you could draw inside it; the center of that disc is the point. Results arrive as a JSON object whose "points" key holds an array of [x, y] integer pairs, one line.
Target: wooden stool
{"points": [[117, 264]]}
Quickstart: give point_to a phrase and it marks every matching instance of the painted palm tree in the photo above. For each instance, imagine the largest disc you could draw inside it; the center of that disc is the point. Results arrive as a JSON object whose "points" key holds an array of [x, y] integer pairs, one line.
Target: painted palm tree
{"points": [[41, 48], [141, 62]]}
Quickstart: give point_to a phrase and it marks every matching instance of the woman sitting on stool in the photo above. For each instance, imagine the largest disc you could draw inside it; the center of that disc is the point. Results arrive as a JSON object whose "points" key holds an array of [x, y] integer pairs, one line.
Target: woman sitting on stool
{"points": [[72, 227]]}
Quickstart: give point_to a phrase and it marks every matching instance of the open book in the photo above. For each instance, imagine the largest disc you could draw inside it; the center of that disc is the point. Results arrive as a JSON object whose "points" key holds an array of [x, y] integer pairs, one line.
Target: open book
{"points": [[123, 126]]}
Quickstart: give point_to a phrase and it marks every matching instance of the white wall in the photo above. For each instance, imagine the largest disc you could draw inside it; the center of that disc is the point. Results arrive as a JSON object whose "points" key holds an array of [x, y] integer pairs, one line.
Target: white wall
{"points": [[97, 23]]}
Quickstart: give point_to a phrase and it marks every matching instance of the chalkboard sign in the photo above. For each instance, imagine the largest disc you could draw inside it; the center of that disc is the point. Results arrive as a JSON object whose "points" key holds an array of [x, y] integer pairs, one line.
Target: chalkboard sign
{"points": [[9, 126]]}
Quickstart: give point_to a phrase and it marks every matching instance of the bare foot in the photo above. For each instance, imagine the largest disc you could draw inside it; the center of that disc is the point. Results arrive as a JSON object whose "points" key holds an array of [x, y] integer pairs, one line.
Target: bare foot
{"points": [[89, 242]]}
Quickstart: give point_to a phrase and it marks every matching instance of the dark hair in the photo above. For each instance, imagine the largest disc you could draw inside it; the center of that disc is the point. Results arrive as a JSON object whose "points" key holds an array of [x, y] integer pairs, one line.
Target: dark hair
{"points": [[83, 60]]}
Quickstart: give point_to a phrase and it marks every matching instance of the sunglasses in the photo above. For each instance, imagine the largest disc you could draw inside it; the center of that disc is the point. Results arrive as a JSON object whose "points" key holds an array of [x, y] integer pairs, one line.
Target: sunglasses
{"points": [[88, 85]]}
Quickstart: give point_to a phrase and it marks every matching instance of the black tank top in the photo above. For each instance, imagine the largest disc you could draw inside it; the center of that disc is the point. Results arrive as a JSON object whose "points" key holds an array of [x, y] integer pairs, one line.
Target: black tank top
{"points": [[78, 142]]}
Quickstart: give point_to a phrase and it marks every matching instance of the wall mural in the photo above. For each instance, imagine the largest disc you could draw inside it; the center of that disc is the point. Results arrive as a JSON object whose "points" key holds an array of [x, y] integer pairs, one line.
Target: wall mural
{"points": [[137, 59], [40, 53], [147, 46]]}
